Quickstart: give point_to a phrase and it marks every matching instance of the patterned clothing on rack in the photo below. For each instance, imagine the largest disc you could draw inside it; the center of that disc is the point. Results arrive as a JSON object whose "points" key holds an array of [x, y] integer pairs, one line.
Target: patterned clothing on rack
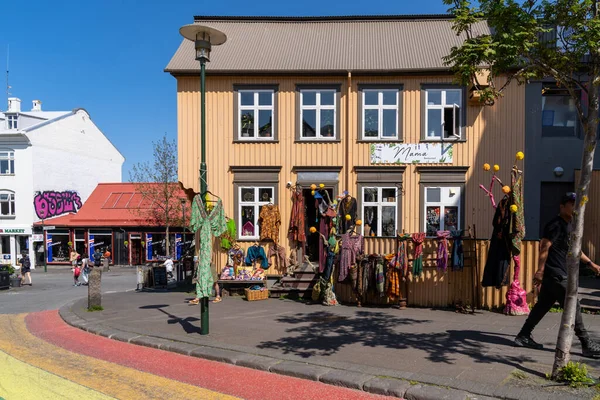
{"points": [[235, 258], [418, 239], [518, 219], [442, 252], [352, 246], [379, 276], [228, 237], [392, 282], [208, 225], [401, 259], [458, 255], [296, 230], [269, 222]]}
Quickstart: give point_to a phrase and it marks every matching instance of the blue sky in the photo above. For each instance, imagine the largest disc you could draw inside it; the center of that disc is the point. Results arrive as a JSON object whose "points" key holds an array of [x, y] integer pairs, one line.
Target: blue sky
{"points": [[108, 56]]}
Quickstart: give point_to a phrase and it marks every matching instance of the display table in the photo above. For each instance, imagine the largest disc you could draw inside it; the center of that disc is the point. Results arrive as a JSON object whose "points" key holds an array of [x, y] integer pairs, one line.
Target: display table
{"points": [[231, 286]]}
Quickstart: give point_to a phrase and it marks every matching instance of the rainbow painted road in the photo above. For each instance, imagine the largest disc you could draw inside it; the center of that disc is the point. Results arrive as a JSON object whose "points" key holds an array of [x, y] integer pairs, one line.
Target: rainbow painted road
{"points": [[41, 357]]}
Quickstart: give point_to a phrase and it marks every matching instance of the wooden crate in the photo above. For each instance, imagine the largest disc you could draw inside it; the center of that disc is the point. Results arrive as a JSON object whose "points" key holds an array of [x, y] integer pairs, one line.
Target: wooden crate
{"points": [[253, 295]]}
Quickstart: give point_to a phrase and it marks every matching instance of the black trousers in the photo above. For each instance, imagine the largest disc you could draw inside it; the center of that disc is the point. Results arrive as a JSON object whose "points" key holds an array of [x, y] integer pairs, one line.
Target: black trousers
{"points": [[551, 292]]}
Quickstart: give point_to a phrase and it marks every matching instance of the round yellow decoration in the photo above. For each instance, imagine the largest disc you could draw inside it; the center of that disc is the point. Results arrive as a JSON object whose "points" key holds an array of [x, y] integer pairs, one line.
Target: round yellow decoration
{"points": [[506, 189], [313, 186], [486, 167], [358, 222], [312, 229], [348, 217], [312, 192], [520, 155], [496, 167], [321, 185], [514, 208]]}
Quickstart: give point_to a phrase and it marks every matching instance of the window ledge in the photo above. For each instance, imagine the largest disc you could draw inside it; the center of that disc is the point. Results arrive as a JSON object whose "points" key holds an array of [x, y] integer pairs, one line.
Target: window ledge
{"points": [[8, 216], [241, 141], [317, 141], [7, 174], [380, 141], [447, 141], [379, 237]]}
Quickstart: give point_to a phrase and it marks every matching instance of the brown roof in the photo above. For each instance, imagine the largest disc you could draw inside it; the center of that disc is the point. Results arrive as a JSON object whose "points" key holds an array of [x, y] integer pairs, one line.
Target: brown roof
{"points": [[327, 44]]}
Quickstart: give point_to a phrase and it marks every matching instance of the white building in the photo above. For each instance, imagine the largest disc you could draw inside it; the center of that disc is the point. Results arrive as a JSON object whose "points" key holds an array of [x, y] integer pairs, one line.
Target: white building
{"points": [[50, 162]]}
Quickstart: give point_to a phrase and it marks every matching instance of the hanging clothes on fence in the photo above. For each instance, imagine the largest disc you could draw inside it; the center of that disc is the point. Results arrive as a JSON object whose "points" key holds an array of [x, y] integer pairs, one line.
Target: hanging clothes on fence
{"points": [[297, 230], [442, 252], [401, 259], [352, 246], [269, 222], [497, 266], [257, 254], [379, 275], [209, 224], [458, 255], [347, 206], [281, 261], [418, 239]]}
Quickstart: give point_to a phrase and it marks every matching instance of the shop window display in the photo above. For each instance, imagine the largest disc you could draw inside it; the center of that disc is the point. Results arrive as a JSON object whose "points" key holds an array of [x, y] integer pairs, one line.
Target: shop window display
{"points": [[442, 209], [156, 244], [380, 210], [100, 239], [252, 199], [58, 246]]}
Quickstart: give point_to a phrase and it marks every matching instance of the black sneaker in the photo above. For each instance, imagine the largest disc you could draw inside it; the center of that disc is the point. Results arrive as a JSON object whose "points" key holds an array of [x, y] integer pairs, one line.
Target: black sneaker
{"points": [[527, 341], [591, 349]]}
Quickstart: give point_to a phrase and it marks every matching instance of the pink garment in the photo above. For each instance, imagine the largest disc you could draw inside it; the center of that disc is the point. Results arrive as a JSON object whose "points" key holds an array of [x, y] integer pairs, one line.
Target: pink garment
{"points": [[516, 297], [352, 246]]}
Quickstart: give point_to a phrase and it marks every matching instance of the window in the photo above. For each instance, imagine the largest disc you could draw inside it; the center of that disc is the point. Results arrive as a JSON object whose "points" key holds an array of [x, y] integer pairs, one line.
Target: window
{"points": [[442, 209], [559, 113], [100, 239], [7, 204], [11, 121], [156, 246], [379, 210], [251, 200], [57, 242], [256, 114], [318, 114], [7, 162], [443, 114], [380, 114]]}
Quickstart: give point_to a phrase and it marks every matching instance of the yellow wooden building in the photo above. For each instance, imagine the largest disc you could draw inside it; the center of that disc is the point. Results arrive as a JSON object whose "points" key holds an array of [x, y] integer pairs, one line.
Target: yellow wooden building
{"points": [[359, 104]]}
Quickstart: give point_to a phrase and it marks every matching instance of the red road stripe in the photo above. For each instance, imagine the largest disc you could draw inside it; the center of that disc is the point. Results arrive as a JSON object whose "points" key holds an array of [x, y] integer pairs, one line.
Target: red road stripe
{"points": [[224, 378]]}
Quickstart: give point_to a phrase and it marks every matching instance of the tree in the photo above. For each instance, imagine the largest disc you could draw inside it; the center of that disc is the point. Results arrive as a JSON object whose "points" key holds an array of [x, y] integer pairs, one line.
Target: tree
{"points": [[157, 182], [532, 39]]}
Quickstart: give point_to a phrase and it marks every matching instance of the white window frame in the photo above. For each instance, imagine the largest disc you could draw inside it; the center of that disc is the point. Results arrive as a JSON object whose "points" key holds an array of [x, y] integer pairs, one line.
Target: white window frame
{"points": [[318, 107], [11, 203], [256, 108], [12, 121], [457, 111], [446, 200], [380, 107], [380, 204], [256, 204], [8, 155]]}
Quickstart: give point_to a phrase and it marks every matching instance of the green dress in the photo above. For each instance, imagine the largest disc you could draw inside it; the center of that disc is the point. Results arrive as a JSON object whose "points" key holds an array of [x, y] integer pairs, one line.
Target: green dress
{"points": [[207, 225]]}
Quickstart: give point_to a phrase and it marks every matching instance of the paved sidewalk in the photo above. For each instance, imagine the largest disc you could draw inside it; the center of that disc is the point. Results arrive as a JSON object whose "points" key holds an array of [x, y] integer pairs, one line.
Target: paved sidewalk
{"points": [[471, 353]]}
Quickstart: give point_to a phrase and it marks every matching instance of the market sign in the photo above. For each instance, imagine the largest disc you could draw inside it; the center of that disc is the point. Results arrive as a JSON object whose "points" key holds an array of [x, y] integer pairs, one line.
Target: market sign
{"points": [[411, 153], [11, 231]]}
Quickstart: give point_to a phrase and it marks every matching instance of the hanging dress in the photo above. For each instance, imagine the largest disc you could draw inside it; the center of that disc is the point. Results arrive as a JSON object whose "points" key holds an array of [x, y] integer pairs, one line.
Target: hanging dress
{"points": [[352, 246], [442, 252], [497, 265], [296, 230], [458, 254], [208, 225]]}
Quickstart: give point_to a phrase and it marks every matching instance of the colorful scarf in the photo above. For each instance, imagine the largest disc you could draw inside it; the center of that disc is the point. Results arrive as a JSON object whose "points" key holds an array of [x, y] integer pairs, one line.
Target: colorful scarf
{"points": [[442, 252], [458, 255], [379, 276], [401, 260], [518, 219], [418, 239]]}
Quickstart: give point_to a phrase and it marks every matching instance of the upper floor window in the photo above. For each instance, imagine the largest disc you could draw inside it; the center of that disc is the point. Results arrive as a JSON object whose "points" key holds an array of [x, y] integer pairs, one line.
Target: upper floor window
{"points": [[380, 114], [12, 121], [443, 114], [7, 162], [256, 114], [559, 113], [7, 204], [318, 114]]}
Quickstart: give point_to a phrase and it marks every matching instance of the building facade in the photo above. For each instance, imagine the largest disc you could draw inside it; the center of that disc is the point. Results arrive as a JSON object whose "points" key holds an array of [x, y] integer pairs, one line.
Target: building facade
{"points": [[114, 218], [50, 161], [359, 104]]}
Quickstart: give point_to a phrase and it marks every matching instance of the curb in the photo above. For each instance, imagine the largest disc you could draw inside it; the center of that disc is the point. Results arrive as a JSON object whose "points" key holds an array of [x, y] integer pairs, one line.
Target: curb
{"points": [[427, 388]]}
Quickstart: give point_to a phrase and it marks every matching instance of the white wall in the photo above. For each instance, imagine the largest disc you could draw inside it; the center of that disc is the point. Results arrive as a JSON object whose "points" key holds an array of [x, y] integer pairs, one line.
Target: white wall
{"points": [[73, 154]]}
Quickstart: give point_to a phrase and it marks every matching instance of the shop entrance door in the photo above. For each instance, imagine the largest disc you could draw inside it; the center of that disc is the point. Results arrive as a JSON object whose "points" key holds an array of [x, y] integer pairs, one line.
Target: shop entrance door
{"points": [[313, 219], [136, 251]]}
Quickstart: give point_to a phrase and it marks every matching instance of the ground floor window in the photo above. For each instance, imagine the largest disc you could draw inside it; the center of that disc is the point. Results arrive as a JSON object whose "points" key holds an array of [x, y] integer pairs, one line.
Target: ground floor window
{"points": [[380, 211], [442, 209], [57, 243], [100, 239], [251, 201], [5, 249], [80, 241], [156, 246]]}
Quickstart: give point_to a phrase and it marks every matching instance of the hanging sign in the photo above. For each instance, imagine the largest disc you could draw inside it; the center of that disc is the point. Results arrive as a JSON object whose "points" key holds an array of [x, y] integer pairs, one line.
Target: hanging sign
{"points": [[411, 153]]}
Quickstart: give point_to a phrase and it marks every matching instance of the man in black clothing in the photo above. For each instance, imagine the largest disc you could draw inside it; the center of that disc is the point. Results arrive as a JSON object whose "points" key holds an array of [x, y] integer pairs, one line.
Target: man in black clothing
{"points": [[552, 276]]}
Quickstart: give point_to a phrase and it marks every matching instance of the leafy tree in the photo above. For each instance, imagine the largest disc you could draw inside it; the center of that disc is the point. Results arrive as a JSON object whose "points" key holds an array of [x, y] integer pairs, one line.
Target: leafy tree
{"points": [[527, 40], [157, 182]]}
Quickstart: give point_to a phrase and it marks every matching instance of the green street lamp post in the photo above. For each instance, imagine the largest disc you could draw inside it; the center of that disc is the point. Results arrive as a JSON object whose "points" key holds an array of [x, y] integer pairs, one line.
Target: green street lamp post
{"points": [[204, 38]]}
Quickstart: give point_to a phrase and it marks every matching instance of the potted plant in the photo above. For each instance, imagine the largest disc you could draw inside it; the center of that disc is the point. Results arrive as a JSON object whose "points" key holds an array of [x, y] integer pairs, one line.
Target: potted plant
{"points": [[15, 280], [126, 243]]}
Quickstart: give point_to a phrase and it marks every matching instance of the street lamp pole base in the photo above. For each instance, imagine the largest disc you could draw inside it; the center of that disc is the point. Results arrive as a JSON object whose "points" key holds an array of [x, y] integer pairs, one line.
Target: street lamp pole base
{"points": [[204, 316]]}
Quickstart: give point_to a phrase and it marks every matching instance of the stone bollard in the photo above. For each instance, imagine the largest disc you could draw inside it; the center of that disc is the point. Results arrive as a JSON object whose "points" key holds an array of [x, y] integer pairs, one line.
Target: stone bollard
{"points": [[94, 289]]}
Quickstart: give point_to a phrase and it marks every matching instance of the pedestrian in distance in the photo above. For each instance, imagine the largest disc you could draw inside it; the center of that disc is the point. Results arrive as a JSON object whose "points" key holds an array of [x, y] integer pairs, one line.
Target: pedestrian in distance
{"points": [[73, 257], [76, 274], [106, 256], [97, 258], [26, 268], [551, 275], [169, 266], [85, 269]]}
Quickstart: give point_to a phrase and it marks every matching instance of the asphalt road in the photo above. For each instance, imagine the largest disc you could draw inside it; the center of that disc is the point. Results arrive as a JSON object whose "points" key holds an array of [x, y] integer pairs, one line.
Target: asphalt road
{"points": [[53, 289]]}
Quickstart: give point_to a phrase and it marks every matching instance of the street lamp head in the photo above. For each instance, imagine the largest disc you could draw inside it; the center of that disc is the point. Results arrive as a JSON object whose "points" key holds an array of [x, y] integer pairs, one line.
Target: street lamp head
{"points": [[204, 38]]}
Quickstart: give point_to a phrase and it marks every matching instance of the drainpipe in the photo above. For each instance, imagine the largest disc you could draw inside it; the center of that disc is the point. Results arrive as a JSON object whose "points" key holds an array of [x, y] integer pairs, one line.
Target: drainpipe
{"points": [[348, 134]]}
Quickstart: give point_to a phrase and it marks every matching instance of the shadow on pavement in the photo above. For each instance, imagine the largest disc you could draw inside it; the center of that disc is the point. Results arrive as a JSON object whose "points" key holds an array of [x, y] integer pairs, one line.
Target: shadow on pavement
{"points": [[173, 319], [325, 333]]}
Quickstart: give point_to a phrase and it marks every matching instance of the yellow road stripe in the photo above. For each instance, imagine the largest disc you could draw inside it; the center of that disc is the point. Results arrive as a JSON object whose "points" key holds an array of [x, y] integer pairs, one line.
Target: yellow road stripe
{"points": [[109, 378], [22, 381]]}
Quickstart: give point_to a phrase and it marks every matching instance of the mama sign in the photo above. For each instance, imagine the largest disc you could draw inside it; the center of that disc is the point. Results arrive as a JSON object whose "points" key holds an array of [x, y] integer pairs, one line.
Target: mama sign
{"points": [[409, 153]]}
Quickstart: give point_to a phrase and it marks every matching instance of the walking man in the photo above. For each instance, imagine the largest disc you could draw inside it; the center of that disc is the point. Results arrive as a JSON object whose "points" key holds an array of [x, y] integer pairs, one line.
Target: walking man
{"points": [[552, 276]]}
